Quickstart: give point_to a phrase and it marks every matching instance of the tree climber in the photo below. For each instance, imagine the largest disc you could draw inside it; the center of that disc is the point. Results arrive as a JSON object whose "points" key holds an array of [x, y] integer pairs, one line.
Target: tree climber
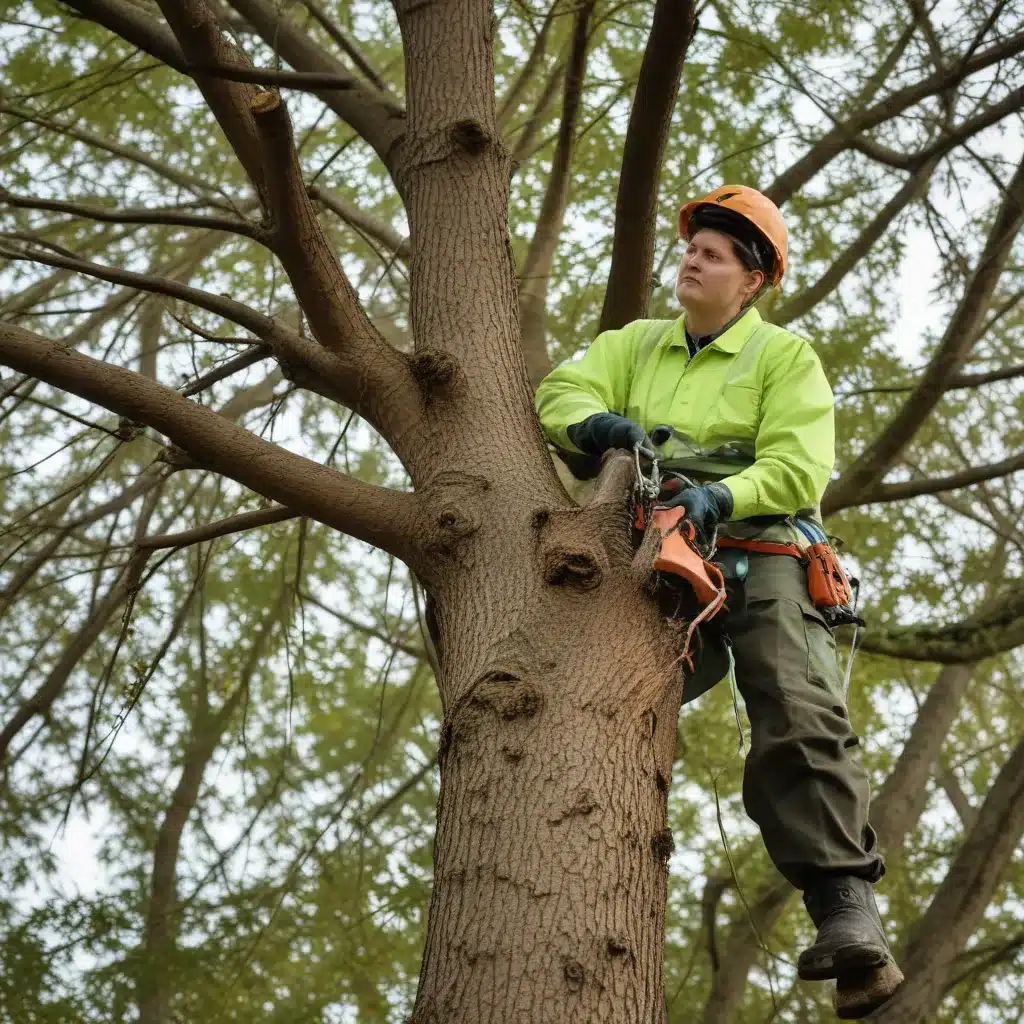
{"points": [[752, 426]]}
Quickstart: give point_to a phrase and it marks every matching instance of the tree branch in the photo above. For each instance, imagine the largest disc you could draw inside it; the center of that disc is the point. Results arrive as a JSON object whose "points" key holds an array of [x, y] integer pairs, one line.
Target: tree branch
{"points": [[348, 45], [222, 528], [363, 627], [803, 303], [922, 18], [533, 288], [960, 381], [375, 227], [309, 365], [842, 136], [166, 216], [965, 810], [132, 24], [975, 380], [740, 951], [183, 179], [382, 375], [998, 629], [255, 354], [56, 679], [947, 140], [377, 515], [524, 147], [207, 728], [915, 488], [961, 332], [204, 44], [510, 101], [373, 114], [899, 804], [629, 279]]}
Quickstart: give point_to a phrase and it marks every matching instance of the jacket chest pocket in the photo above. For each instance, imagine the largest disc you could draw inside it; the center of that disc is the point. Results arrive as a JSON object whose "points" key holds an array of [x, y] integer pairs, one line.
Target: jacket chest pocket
{"points": [[732, 416]]}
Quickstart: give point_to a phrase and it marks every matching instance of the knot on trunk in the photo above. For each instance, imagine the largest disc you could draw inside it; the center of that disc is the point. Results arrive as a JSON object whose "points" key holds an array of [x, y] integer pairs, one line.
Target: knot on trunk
{"points": [[470, 136], [452, 525], [584, 804], [437, 373], [453, 501], [265, 102], [663, 844], [579, 567], [574, 976], [508, 696]]}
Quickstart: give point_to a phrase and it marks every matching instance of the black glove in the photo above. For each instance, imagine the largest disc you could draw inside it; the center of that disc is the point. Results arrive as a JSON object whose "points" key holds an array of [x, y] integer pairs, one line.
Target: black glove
{"points": [[604, 430], [706, 507]]}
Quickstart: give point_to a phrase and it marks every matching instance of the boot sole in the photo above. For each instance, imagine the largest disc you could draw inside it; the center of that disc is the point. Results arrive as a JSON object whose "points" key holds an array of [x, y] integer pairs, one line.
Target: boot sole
{"points": [[858, 996], [847, 960]]}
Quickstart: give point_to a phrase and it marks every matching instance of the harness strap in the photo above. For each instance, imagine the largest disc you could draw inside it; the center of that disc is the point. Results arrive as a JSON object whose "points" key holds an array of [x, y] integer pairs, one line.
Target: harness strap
{"points": [[763, 547]]}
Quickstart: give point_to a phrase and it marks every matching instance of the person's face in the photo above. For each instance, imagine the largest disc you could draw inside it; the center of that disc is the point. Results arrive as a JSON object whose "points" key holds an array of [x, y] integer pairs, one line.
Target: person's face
{"points": [[711, 276]]}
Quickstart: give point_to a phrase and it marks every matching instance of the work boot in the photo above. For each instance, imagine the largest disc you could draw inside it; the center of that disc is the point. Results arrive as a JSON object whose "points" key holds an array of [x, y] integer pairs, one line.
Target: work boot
{"points": [[850, 946], [850, 937]]}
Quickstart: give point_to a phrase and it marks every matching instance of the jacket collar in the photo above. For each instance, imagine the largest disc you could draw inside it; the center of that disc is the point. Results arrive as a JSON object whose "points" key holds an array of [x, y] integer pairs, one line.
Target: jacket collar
{"points": [[730, 341]]}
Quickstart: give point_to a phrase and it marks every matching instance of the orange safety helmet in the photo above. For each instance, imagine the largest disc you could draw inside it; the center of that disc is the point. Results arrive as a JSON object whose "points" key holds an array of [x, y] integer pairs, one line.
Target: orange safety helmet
{"points": [[756, 209]]}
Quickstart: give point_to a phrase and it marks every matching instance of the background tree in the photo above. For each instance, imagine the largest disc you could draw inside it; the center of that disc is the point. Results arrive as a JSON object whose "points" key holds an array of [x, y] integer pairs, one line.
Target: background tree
{"points": [[277, 277]]}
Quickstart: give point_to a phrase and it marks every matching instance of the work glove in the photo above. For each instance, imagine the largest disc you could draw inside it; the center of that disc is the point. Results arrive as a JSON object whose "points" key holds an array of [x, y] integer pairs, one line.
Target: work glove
{"points": [[604, 430], [706, 506]]}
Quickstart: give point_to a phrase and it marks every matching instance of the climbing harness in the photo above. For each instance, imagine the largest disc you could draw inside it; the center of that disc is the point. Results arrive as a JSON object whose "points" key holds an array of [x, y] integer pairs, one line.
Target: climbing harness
{"points": [[830, 589]]}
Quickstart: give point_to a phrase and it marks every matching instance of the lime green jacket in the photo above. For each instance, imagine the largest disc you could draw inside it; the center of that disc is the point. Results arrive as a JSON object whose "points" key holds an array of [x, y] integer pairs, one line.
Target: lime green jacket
{"points": [[756, 387]]}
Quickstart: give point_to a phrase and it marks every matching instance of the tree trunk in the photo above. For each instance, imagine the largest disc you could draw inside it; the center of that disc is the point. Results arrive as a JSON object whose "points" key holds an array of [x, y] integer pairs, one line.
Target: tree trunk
{"points": [[551, 858], [558, 675]]}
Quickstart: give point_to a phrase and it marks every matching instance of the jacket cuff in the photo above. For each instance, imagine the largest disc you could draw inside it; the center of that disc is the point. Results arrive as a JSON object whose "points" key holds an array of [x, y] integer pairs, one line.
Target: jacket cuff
{"points": [[744, 496]]}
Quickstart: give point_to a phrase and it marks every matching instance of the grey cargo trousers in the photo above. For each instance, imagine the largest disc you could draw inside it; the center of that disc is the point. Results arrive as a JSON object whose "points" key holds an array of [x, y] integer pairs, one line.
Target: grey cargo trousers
{"points": [[801, 785]]}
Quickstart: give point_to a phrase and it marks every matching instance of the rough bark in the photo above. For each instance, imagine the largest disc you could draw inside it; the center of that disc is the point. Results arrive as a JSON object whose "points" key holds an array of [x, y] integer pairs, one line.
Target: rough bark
{"points": [[550, 874], [636, 205], [552, 847]]}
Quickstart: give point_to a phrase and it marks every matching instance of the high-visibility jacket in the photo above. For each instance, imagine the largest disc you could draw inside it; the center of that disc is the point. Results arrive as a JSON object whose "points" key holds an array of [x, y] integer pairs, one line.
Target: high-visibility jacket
{"points": [[756, 388]]}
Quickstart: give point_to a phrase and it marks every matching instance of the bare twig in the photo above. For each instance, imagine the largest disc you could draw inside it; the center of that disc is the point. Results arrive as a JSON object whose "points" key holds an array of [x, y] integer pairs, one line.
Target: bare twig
{"points": [[233, 524]]}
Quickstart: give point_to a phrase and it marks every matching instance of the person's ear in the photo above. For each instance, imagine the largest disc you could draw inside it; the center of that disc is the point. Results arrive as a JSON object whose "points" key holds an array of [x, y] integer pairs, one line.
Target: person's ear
{"points": [[755, 281]]}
